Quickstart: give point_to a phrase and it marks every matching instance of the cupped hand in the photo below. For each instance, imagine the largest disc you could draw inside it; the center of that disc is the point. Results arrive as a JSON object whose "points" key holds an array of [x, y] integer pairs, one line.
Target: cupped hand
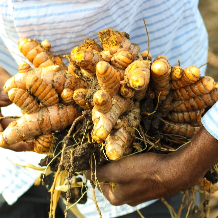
{"points": [[5, 101]]}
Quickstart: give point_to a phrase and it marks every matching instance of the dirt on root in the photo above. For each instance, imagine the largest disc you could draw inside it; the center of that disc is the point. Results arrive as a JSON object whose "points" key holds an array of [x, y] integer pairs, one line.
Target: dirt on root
{"points": [[111, 39], [89, 45], [93, 87], [78, 151], [80, 160]]}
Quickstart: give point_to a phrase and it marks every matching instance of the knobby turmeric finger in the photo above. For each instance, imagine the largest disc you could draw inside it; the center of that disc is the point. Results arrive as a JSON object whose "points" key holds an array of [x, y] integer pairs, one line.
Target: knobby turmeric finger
{"points": [[45, 121], [39, 53]]}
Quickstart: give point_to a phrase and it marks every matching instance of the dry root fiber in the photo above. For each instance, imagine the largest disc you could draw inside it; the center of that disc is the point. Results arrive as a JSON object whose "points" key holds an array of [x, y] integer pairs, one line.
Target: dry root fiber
{"points": [[117, 101]]}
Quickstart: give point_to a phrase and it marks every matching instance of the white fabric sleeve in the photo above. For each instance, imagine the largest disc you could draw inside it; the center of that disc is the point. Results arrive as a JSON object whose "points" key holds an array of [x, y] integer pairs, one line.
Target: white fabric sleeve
{"points": [[210, 120]]}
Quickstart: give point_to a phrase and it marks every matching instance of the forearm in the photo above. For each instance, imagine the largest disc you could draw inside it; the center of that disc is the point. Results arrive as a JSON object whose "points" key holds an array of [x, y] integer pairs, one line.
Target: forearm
{"points": [[187, 166]]}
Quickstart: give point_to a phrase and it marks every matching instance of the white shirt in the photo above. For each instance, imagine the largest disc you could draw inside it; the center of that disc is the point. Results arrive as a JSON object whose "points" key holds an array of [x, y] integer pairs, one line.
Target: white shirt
{"points": [[210, 121], [175, 28]]}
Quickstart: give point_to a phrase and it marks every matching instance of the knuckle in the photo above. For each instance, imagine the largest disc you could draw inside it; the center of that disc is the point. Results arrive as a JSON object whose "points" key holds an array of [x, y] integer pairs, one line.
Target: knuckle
{"points": [[116, 201], [132, 204]]}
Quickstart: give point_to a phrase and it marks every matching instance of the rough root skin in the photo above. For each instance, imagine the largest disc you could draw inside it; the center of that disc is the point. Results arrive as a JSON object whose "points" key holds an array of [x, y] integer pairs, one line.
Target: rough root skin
{"points": [[46, 121]]}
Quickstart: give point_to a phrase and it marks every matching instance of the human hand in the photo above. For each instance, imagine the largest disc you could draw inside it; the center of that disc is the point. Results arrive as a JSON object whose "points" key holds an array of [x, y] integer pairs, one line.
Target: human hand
{"points": [[5, 101], [142, 177], [135, 178], [4, 76]]}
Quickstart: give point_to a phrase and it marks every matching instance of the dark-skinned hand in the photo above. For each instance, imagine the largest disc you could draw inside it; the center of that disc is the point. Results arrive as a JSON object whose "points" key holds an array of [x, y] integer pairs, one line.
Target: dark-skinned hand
{"points": [[147, 176]]}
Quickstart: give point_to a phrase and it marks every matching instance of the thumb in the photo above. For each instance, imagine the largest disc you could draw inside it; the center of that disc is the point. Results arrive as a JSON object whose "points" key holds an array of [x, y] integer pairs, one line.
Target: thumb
{"points": [[4, 76], [4, 99], [20, 146]]}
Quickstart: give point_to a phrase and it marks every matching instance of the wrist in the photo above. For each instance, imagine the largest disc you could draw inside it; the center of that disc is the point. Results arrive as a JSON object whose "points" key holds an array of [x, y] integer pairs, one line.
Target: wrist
{"points": [[188, 165]]}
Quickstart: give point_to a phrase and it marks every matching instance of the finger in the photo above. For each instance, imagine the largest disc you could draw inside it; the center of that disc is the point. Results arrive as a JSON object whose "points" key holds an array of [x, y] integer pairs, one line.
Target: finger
{"points": [[6, 121], [20, 146], [113, 195], [108, 172], [120, 194], [4, 76], [120, 171], [4, 99]]}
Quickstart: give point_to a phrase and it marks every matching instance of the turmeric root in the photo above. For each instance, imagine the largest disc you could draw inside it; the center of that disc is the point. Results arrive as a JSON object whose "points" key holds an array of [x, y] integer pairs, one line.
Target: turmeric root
{"points": [[24, 67], [185, 117], [146, 55], [43, 91], [126, 91], [191, 75], [43, 144], [137, 74], [46, 44], [83, 58], [160, 72], [87, 61], [79, 97], [182, 129], [106, 55], [202, 86], [24, 100], [108, 77], [102, 101], [199, 102], [43, 122], [56, 78], [115, 41], [120, 140], [116, 66], [104, 122], [121, 59], [38, 53], [177, 73], [39, 88], [67, 96], [116, 142], [88, 45]]}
